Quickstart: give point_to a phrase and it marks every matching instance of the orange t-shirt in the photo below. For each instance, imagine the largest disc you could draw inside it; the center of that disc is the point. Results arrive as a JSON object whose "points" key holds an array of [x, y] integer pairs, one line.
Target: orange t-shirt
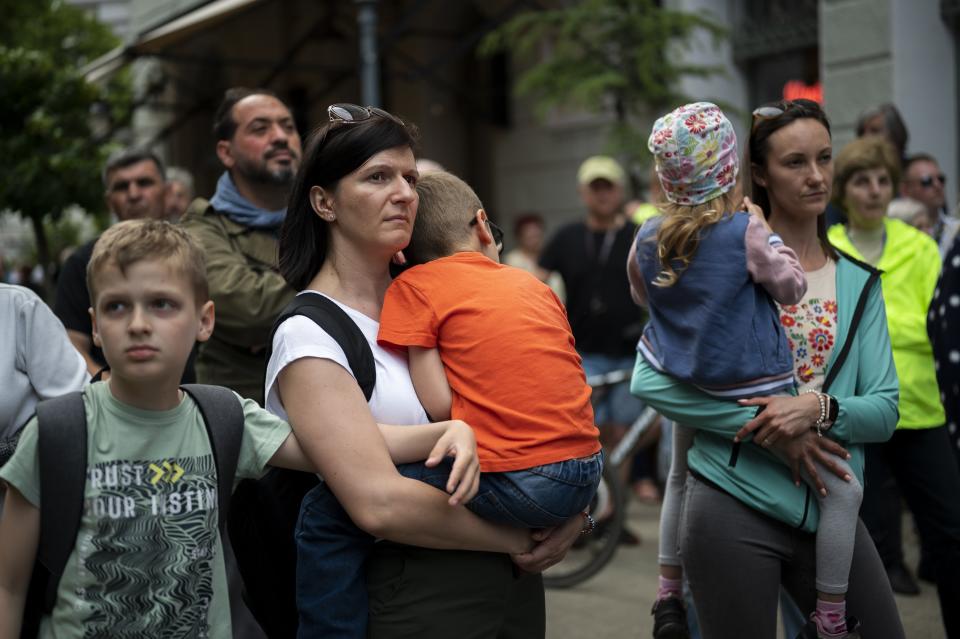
{"points": [[504, 339]]}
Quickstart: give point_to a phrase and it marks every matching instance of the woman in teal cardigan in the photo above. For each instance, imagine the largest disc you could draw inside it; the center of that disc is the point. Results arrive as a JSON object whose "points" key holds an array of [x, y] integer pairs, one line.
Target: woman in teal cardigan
{"points": [[746, 521]]}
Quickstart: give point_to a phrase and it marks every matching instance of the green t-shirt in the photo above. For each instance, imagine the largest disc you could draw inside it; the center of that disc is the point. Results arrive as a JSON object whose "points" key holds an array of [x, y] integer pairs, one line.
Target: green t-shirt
{"points": [[148, 559]]}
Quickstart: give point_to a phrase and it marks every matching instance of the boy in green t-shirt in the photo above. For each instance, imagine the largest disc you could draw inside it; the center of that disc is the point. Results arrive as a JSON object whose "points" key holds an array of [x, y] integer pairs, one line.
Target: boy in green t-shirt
{"points": [[148, 557]]}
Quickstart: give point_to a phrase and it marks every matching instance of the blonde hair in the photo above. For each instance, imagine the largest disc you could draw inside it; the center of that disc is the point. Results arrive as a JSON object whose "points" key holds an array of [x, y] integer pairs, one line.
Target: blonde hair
{"points": [[870, 152], [447, 204], [679, 234], [132, 241]]}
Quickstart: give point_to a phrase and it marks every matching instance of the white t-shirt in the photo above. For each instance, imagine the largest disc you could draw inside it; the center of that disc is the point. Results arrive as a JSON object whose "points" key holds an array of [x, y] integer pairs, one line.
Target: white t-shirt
{"points": [[394, 400], [37, 361]]}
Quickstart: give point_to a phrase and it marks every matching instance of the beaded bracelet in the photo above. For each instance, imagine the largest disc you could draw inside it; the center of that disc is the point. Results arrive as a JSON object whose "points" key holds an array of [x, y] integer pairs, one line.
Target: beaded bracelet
{"points": [[589, 523], [823, 411]]}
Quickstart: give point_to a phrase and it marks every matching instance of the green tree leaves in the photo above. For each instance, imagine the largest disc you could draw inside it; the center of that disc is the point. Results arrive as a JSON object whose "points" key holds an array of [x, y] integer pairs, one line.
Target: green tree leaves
{"points": [[51, 157], [623, 56]]}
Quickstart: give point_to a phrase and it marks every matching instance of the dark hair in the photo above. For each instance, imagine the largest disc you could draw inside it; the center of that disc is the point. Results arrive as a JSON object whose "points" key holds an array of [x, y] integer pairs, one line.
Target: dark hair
{"points": [[892, 122], [758, 147], [224, 126], [447, 204], [918, 157], [531, 217], [870, 152], [332, 151], [128, 157]]}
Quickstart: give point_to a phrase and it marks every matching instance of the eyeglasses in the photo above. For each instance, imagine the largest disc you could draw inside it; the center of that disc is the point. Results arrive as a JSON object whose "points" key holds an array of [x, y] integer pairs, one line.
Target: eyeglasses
{"points": [[345, 113], [495, 231], [926, 181]]}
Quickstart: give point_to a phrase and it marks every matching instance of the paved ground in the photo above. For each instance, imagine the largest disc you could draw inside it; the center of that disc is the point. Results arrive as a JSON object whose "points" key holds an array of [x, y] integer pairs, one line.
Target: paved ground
{"points": [[616, 603]]}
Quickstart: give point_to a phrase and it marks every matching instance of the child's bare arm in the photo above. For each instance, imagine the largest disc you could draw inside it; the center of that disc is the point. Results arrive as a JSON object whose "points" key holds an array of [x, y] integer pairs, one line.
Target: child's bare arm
{"points": [[430, 381], [20, 532], [773, 265], [406, 444]]}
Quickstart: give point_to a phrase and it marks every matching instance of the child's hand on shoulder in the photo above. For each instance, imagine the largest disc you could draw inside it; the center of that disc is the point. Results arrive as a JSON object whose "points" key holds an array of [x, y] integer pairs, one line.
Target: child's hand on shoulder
{"points": [[756, 212], [459, 442]]}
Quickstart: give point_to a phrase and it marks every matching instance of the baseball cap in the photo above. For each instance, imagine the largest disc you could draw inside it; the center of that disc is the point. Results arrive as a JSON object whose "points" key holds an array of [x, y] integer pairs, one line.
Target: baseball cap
{"points": [[601, 167]]}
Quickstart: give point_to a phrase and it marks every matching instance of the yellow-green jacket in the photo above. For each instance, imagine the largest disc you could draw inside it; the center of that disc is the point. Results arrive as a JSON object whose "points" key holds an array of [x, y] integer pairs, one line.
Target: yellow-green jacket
{"points": [[911, 265], [248, 293]]}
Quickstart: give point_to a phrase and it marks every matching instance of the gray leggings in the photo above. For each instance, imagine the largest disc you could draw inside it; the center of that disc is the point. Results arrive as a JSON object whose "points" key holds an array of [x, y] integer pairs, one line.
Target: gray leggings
{"points": [[835, 533], [734, 558]]}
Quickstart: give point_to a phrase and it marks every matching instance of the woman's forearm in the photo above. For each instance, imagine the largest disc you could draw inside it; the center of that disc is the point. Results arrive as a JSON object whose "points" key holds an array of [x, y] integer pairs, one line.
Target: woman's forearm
{"points": [[412, 512], [686, 404], [11, 614], [334, 426]]}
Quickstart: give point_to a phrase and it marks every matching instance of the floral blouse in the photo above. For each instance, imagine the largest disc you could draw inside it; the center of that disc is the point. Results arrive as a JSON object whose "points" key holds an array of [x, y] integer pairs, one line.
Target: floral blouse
{"points": [[811, 327]]}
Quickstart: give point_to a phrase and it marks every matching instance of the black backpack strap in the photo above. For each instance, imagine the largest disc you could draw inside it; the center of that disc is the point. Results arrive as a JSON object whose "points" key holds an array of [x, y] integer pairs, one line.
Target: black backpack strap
{"points": [[331, 318], [223, 416], [62, 447]]}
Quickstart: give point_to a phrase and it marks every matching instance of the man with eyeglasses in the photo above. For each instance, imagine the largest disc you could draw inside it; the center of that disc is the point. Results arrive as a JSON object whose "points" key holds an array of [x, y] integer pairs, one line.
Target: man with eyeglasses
{"points": [[259, 147], [134, 188], [924, 181]]}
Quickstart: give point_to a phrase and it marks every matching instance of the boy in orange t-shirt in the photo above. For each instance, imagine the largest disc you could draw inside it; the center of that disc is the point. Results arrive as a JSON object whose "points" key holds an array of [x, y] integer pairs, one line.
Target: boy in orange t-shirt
{"points": [[490, 345]]}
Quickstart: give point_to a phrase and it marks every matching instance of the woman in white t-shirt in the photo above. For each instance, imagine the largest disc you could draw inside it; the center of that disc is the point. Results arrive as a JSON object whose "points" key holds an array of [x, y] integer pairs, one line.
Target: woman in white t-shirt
{"points": [[351, 210]]}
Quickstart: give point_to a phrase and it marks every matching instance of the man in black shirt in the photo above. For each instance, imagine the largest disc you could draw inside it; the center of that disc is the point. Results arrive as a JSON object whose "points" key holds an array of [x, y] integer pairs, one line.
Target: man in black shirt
{"points": [[135, 188], [591, 256]]}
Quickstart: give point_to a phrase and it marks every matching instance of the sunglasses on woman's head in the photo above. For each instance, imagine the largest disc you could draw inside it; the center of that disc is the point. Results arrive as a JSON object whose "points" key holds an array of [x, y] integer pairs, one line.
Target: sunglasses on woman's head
{"points": [[495, 231], [774, 111], [345, 113]]}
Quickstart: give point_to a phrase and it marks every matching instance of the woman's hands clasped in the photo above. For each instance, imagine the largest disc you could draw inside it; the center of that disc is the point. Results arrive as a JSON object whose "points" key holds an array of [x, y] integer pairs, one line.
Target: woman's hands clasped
{"points": [[459, 442], [551, 545], [779, 417], [784, 425]]}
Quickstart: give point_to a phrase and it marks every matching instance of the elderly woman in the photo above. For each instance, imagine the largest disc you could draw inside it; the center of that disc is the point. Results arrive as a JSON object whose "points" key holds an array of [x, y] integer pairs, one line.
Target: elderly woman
{"points": [[918, 455]]}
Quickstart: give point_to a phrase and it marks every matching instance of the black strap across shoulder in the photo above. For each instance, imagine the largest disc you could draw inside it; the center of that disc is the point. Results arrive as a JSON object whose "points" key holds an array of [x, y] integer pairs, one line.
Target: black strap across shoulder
{"points": [[854, 324], [62, 450], [264, 512], [223, 417], [331, 318]]}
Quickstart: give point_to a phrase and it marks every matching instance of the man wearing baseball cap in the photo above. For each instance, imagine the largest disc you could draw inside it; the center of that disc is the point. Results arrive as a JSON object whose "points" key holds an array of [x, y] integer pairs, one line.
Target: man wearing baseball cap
{"points": [[591, 255]]}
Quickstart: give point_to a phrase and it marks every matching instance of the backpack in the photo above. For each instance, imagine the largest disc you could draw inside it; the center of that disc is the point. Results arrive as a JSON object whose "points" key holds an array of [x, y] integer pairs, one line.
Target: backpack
{"points": [[62, 440], [264, 512]]}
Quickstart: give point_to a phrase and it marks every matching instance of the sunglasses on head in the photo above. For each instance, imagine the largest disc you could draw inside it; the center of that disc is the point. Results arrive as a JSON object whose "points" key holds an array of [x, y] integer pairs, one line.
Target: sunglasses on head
{"points": [[927, 181], [774, 111], [346, 113], [495, 231]]}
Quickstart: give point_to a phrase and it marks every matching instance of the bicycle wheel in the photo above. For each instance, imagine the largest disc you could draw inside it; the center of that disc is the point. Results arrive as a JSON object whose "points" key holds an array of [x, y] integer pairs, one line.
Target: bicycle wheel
{"points": [[591, 553]]}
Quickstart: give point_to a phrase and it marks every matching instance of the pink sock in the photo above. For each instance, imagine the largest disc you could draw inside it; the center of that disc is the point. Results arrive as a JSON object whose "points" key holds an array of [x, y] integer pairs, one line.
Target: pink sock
{"points": [[831, 618], [669, 588]]}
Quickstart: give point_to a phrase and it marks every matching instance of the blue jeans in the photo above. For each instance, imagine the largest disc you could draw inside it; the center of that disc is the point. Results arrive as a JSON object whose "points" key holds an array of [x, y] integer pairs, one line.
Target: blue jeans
{"points": [[332, 550], [618, 406]]}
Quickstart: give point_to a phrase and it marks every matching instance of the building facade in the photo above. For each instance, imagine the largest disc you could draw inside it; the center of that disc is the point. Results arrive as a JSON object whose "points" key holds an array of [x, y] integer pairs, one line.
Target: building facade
{"points": [[852, 54]]}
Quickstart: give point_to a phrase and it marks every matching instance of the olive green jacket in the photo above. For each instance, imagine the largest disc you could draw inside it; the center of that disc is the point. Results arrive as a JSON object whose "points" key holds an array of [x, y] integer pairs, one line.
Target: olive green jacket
{"points": [[248, 293]]}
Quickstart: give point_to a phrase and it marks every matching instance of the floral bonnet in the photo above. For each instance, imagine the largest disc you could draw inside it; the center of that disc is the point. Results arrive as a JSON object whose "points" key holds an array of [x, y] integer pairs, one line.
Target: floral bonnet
{"points": [[695, 148]]}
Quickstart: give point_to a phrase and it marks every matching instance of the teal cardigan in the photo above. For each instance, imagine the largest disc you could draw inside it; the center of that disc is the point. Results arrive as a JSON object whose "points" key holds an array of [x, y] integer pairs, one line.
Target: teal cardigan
{"points": [[860, 374]]}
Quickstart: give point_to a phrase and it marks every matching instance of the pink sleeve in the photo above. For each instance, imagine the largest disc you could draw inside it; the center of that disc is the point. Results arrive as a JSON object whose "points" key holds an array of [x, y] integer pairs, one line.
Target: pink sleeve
{"points": [[773, 265], [638, 291]]}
